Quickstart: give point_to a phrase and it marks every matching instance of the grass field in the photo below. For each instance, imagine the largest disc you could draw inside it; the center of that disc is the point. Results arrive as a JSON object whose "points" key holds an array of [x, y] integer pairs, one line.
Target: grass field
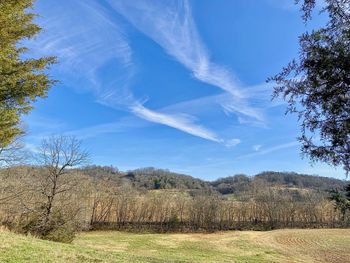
{"points": [[329, 245]]}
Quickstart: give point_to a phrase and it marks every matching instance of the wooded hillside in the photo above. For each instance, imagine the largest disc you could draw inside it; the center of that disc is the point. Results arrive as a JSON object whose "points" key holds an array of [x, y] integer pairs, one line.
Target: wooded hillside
{"points": [[152, 178]]}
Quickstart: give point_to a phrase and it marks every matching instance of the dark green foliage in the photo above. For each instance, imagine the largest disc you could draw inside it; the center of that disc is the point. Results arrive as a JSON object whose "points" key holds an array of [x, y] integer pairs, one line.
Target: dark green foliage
{"points": [[59, 228], [341, 199], [347, 191], [61, 234], [146, 178], [22, 81], [233, 184], [174, 223], [157, 184], [317, 86]]}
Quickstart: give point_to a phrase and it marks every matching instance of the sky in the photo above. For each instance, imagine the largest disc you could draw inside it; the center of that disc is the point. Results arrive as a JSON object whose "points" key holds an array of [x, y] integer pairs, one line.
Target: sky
{"points": [[172, 84]]}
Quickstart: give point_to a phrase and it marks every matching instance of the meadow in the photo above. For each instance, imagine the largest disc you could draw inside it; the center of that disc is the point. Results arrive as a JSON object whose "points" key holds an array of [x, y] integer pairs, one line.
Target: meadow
{"points": [[288, 245]]}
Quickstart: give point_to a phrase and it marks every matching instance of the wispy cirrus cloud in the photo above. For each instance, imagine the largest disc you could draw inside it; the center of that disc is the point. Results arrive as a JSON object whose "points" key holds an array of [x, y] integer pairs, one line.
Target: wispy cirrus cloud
{"points": [[259, 95], [257, 147], [183, 122], [85, 38], [90, 42], [260, 151], [171, 25], [232, 143], [122, 125]]}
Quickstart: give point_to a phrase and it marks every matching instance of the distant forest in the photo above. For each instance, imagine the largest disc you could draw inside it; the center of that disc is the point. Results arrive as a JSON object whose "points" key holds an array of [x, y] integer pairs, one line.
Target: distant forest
{"points": [[151, 178]]}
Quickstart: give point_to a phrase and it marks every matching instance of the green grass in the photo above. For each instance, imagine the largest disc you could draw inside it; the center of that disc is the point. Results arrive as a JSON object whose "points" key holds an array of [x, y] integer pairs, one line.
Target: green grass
{"points": [[112, 246]]}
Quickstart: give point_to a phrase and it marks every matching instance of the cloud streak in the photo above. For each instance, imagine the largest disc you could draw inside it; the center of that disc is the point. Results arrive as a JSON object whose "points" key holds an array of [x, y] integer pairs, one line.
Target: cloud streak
{"points": [[260, 151], [83, 43], [171, 25], [182, 122]]}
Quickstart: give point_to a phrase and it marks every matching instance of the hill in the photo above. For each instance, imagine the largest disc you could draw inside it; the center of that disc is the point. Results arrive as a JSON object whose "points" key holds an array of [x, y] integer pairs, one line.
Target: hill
{"points": [[239, 183], [151, 178]]}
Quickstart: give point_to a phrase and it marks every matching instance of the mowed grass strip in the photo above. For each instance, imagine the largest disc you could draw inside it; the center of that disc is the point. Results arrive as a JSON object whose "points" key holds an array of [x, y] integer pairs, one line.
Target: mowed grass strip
{"points": [[245, 246], [311, 245]]}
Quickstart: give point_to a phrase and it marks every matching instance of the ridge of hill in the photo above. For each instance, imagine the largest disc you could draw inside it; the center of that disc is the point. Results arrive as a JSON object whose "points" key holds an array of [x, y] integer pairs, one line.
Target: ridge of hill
{"points": [[152, 178]]}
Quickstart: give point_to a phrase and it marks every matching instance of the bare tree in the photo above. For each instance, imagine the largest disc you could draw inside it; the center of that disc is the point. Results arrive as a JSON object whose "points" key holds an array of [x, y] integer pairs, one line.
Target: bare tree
{"points": [[58, 155]]}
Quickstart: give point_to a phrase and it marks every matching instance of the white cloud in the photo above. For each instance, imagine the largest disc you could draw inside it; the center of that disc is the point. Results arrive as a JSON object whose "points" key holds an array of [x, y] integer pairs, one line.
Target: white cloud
{"points": [[84, 38], [121, 125], [257, 147], [260, 95], [279, 147], [232, 143], [181, 122], [271, 149]]}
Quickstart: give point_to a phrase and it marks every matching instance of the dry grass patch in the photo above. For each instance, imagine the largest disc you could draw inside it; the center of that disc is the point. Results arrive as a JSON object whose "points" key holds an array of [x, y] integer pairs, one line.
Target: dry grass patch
{"points": [[311, 245], [245, 246]]}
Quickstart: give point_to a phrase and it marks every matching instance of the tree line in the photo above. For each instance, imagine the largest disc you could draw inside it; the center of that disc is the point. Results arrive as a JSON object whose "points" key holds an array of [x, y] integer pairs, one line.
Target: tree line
{"points": [[56, 198]]}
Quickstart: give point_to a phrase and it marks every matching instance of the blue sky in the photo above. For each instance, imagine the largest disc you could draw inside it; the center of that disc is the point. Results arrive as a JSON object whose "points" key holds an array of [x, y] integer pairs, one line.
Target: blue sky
{"points": [[172, 84]]}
